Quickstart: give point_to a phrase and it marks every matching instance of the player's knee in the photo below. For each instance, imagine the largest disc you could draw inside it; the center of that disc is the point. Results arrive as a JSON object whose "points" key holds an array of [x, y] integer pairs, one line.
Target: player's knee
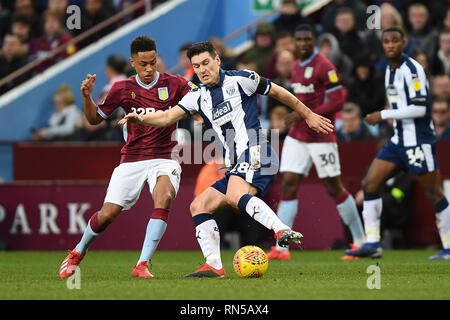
{"points": [[197, 206], [369, 186], [232, 198], [289, 186], [164, 200], [434, 195]]}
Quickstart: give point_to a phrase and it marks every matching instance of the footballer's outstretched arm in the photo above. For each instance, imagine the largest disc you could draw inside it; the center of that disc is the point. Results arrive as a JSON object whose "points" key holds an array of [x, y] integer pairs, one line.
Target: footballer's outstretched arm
{"points": [[156, 119], [89, 106], [315, 122]]}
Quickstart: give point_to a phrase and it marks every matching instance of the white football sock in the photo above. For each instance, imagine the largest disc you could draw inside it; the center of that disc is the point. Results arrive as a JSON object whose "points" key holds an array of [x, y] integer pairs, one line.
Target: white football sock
{"points": [[371, 215], [208, 237]]}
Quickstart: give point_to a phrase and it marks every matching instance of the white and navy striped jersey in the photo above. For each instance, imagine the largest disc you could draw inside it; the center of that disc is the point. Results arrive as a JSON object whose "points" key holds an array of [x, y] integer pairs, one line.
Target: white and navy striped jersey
{"points": [[230, 108], [407, 85]]}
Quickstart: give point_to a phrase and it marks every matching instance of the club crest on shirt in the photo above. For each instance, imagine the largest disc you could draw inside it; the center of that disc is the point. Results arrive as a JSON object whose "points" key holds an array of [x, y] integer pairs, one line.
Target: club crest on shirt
{"points": [[230, 90], [133, 95], [308, 72], [163, 93], [332, 76]]}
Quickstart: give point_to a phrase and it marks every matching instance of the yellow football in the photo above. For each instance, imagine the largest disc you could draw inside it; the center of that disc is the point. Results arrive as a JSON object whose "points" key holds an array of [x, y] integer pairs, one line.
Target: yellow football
{"points": [[250, 262]]}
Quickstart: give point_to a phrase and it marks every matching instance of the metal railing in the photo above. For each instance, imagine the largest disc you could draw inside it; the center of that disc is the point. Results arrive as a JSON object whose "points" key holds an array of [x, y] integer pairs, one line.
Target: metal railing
{"points": [[147, 3]]}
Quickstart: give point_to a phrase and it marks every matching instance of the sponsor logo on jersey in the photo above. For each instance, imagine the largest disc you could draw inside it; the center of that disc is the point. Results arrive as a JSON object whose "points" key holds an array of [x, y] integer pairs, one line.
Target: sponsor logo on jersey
{"points": [[299, 88], [308, 72], [332, 76], [392, 94], [163, 93], [223, 113]]}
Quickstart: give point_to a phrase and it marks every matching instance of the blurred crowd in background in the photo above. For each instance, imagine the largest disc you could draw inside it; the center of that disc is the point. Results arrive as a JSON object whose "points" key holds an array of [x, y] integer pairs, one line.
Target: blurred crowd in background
{"points": [[30, 29]]}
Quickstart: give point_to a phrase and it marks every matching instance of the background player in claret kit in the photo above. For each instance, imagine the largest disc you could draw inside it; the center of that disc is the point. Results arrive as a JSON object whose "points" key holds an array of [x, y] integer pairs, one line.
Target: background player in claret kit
{"points": [[226, 100], [315, 82], [146, 157], [411, 148]]}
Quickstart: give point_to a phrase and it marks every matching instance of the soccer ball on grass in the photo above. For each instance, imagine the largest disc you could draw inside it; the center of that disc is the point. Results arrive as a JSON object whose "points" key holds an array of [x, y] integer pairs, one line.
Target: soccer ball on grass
{"points": [[250, 262]]}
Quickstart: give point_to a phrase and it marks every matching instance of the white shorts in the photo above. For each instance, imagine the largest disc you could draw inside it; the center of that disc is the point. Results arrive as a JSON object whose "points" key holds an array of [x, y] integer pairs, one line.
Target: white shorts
{"points": [[129, 178], [298, 156]]}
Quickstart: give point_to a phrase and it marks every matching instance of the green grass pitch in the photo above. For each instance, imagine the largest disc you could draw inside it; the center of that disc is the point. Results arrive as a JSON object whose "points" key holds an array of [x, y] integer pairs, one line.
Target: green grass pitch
{"points": [[309, 275]]}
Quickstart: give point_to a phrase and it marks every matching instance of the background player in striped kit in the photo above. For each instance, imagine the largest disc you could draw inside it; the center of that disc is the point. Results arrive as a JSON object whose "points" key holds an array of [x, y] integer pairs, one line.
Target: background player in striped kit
{"points": [[411, 148], [315, 82], [226, 100]]}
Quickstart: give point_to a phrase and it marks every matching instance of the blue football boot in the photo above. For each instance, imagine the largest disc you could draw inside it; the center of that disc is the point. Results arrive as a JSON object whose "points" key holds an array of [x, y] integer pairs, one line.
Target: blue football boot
{"points": [[443, 255], [367, 250]]}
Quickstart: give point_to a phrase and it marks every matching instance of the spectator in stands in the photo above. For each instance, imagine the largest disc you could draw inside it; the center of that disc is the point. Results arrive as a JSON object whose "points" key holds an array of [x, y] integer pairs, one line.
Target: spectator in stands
{"points": [[115, 70], [11, 59], [283, 65], [441, 60], [329, 48], [5, 20], [21, 27], [160, 64], [94, 13], [290, 17], [329, 14], [422, 58], [277, 122], [367, 87], [353, 128], [185, 63], [26, 8], [247, 65], [440, 115], [54, 37], [440, 87], [66, 119], [61, 6], [226, 55], [346, 33], [263, 46], [421, 33], [123, 4], [446, 21], [283, 41]]}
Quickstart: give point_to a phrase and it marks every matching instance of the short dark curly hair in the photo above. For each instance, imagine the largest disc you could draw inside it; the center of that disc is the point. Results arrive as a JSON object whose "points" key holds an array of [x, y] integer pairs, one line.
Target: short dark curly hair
{"points": [[200, 47], [142, 44]]}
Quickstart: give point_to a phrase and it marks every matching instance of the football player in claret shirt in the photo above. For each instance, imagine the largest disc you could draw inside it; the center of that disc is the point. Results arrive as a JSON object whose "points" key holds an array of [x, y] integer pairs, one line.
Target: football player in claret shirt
{"points": [[226, 100], [146, 158], [315, 82], [412, 148]]}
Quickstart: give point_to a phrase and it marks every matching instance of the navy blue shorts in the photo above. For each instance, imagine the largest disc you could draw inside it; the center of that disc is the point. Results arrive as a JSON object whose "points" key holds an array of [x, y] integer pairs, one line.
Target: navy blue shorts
{"points": [[416, 159], [262, 178]]}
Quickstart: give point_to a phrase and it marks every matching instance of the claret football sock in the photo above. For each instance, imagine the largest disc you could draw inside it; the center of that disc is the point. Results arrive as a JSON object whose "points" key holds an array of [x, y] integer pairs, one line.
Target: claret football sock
{"points": [[442, 210], [261, 212], [348, 211], [208, 237], [372, 208]]}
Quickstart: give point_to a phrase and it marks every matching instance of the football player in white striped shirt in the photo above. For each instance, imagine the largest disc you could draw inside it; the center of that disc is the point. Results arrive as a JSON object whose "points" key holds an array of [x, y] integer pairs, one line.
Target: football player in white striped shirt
{"points": [[226, 100], [411, 148]]}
